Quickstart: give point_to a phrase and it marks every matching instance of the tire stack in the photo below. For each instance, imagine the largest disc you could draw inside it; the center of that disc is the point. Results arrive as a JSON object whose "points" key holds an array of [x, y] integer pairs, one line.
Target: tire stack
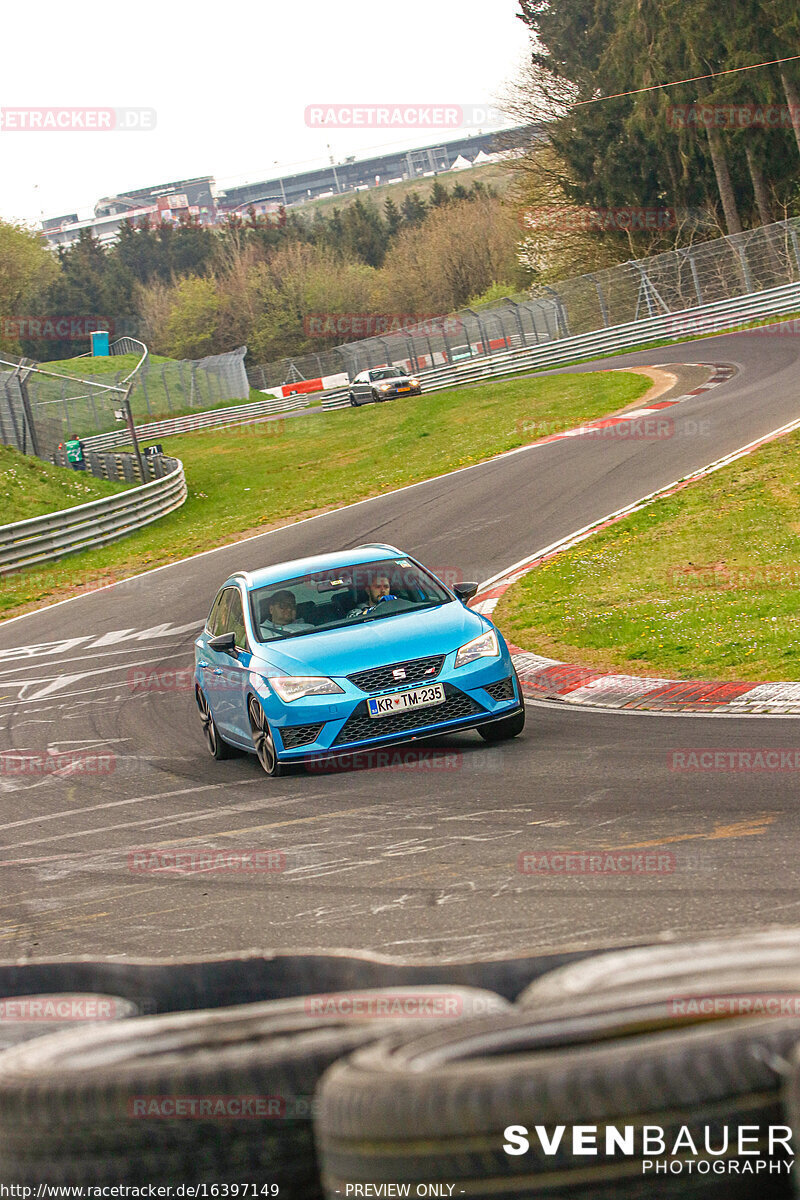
{"points": [[351, 1092]]}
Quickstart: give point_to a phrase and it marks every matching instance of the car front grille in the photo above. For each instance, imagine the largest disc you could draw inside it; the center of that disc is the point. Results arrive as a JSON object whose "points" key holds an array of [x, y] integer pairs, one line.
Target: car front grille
{"points": [[504, 690], [360, 726], [381, 679], [293, 736]]}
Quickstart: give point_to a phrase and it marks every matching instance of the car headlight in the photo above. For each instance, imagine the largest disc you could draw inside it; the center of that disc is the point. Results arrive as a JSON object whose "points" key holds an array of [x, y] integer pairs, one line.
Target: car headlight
{"points": [[484, 646], [295, 687], [385, 387], [414, 382]]}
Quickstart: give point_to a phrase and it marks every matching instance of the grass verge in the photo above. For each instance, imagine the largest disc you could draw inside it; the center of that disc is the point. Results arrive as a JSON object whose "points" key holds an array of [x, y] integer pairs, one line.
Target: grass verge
{"points": [[30, 487], [703, 584], [245, 480]]}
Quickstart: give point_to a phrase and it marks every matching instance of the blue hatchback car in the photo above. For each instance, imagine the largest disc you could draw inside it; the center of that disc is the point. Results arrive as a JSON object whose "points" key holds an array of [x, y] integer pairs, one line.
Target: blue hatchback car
{"points": [[360, 649]]}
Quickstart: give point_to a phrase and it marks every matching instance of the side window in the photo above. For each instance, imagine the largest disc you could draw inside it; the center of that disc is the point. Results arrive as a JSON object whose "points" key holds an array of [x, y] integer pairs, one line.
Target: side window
{"points": [[235, 619], [216, 617]]}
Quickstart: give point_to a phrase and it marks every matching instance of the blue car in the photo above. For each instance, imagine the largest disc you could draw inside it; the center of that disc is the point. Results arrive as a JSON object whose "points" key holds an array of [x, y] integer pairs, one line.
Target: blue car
{"points": [[346, 652]]}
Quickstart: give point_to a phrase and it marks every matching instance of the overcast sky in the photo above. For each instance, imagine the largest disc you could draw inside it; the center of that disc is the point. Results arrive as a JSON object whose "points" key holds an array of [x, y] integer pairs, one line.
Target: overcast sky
{"points": [[230, 86]]}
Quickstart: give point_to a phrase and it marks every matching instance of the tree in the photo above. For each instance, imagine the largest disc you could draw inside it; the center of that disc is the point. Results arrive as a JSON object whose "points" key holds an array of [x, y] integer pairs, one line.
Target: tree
{"points": [[413, 209], [27, 268], [439, 196], [460, 251], [76, 293], [192, 323], [392, 217]]}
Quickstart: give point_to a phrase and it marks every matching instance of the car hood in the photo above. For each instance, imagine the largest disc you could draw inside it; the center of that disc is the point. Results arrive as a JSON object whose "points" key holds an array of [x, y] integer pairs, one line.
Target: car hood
{"points": [[376, 643]]}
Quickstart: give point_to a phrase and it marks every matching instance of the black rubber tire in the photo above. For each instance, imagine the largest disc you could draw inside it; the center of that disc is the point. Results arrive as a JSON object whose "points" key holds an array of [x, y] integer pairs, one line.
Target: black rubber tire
{"points": [[263, 740], [216, 745], [791, 1099], [376, 398], [167, 985], [89, 1107], [353, 402], [435, 1108], [25, 1017], [507, 727], [622, 971]]}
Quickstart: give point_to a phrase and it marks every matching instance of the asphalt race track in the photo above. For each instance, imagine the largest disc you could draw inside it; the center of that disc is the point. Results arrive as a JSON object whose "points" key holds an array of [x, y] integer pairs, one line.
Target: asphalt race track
{"points": [[411, 861]]}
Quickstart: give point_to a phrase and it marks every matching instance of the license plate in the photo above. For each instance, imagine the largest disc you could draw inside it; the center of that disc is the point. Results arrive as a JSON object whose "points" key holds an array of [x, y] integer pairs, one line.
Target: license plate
{"points": [[408, 389], [424, 697]]}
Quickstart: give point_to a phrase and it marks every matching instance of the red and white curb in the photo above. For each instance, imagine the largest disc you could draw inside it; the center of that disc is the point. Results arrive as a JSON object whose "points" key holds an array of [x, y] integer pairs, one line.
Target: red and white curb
{"points": [[547, 678], [646, 423]]}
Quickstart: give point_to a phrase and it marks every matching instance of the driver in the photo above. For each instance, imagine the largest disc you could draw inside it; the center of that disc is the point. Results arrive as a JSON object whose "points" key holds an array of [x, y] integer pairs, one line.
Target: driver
{"points": [[377, 590]]}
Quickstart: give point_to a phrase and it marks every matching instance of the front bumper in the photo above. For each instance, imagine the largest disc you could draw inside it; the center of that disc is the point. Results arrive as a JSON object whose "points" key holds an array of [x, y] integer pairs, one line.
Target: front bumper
{"points": [[341, 725]]}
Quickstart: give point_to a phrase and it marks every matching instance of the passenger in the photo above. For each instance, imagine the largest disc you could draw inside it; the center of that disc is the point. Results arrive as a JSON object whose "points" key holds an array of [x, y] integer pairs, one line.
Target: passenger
{"points": [[282, 609]]}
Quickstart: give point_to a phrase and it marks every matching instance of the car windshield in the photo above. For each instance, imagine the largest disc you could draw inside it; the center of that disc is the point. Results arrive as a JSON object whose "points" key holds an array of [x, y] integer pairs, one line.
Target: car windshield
{"points": [[387, 373], [343, 596]]}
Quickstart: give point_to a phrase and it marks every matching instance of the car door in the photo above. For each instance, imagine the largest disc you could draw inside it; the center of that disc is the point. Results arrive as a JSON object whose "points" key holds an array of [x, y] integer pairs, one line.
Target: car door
{"points": [[361, 387], [235, 676], [213, 664]]}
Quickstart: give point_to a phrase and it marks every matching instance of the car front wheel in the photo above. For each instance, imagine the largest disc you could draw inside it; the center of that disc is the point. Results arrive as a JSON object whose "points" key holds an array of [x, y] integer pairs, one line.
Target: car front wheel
{"points": [[353, 401], [216, 746], [263, 740]]}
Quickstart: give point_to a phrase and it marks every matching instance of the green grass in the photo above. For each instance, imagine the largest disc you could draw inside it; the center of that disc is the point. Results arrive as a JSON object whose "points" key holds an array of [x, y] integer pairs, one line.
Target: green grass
{"points": [[704, 584], [242, 480], [30, 487], [495, 175]]}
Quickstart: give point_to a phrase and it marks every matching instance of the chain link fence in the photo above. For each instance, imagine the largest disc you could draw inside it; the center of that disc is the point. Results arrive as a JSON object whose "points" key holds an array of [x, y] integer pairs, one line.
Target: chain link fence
{"points": [[43, 407], [672, 282]]}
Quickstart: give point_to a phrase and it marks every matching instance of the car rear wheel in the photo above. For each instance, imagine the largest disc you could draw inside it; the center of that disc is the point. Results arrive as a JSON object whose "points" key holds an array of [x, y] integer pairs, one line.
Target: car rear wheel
{"points": [[217, 748], [263, 740]]}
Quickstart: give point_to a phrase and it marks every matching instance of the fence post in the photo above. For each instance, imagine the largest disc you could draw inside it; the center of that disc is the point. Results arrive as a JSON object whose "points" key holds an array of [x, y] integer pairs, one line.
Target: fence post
{"points": [[22, 383], [695, 275]]}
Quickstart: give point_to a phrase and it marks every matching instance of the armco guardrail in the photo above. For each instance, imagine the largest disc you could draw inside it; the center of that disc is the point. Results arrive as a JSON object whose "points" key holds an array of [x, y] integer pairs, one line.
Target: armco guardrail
{"points": [[708, 318], [241, 414], [705, 318], [56, 534]]}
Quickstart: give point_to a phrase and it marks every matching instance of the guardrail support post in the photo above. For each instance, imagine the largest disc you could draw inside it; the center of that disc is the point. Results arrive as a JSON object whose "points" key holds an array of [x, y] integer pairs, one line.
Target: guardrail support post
{"points": [[126, 404]]}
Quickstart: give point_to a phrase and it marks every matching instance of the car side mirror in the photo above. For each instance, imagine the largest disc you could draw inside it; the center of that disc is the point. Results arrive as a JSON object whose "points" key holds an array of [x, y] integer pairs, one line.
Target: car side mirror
{"points": [[465, 591], [224, 644]]}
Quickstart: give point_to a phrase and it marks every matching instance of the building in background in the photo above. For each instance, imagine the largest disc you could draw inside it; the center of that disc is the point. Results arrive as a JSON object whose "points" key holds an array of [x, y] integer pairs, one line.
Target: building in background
{"points": [[199, 197]]}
